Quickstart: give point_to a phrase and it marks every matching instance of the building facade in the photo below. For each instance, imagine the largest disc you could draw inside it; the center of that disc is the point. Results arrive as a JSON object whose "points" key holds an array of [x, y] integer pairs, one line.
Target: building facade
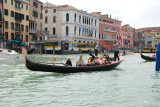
{"points": [[149, 40], [16, 20], [109, 30], [68, 24], [137, 40], [127, 36], [1, 24], [35, 21]]}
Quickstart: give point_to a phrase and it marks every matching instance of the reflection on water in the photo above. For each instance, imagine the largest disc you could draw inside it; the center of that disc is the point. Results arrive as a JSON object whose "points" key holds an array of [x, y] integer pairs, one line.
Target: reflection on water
{"points": [[134, 83]]}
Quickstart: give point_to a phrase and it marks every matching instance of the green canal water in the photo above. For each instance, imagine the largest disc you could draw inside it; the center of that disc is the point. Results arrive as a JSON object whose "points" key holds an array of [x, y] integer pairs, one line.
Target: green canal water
{"points": [[134, 83]]}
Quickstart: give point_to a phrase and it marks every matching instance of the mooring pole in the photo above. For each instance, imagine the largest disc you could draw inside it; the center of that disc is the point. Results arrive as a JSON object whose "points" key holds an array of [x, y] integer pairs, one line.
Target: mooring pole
{"points": [[158, 57]]}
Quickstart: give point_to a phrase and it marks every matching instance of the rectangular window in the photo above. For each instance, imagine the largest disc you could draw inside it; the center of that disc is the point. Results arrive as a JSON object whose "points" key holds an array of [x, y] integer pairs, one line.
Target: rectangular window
{"points": [[41, 7], [26, 7], [26, 28], [11, 2], [5, 1], [12, 25], [41, 15], [6, 24], [35, 4], [21, 6], [6, 35], [22, 16], [22, 27], [54, 10], [6, 12], [17, 5], [27, 18], [21, 37], [12, 13], [26, 38], [35, 13], [46, 11], [12, 36]]}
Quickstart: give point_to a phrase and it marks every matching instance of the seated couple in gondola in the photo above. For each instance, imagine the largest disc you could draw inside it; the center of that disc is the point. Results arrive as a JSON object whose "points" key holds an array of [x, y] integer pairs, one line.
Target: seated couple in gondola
{"points": [[93, 60]]}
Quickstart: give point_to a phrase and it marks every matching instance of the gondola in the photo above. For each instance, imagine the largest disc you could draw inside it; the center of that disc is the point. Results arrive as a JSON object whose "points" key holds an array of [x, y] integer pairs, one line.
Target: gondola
{"points": [[30, 51], [61, 68], [147, 58]]}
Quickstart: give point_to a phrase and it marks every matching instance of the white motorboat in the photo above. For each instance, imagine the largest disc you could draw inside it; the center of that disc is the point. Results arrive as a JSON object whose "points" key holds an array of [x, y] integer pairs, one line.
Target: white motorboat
{"points": [[7, 53]]}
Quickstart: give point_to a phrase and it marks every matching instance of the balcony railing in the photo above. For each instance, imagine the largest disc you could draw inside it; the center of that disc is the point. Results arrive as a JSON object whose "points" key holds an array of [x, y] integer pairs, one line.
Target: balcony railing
{"points": [[108, 39], [32, 31], [109, 30]]}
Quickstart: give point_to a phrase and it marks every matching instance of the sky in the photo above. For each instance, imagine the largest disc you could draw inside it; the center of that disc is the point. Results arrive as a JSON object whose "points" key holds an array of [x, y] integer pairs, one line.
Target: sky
{"points": [[136, 13]]}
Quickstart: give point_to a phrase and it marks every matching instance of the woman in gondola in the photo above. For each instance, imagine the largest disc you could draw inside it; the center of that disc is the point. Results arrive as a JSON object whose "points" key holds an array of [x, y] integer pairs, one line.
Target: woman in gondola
{"points": [[91, 61]]}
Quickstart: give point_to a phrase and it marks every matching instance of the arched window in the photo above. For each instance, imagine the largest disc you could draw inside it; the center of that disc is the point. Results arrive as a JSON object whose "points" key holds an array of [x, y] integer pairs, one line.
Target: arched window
{"points": [[67, 17], [46, 19], [54, 19], [54, 31], [67, 30]]}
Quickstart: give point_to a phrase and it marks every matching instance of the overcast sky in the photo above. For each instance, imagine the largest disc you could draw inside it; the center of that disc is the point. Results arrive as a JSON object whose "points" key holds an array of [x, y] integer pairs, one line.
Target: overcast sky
{"points": [[136, 13]]}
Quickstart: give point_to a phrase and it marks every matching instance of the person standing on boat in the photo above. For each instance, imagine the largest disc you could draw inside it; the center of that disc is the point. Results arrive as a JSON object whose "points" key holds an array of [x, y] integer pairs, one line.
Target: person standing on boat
{"points": [[96, 49], [116, 50]]}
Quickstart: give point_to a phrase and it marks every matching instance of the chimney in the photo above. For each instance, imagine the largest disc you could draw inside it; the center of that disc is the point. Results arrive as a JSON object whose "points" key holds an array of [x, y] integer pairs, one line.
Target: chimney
{"points": [[106, 15]]}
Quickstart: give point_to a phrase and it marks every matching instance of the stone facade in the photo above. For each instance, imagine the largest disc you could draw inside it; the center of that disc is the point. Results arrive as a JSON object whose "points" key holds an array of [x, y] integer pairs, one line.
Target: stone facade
{"points": [[35, 21], [71, 24], [109, 30], [16, 20], [126, 38]]}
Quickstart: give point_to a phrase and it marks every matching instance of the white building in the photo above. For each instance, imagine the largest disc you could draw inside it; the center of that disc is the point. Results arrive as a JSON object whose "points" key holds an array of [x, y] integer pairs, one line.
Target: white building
{"points": [[68, 24], [149, 40]]}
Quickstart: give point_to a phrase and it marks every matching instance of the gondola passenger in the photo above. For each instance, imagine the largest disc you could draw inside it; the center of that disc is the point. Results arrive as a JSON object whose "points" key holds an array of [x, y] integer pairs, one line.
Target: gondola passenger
{"points": [[68, 62], [97, 60], [80, 61], [90, 61], [154, 56]]}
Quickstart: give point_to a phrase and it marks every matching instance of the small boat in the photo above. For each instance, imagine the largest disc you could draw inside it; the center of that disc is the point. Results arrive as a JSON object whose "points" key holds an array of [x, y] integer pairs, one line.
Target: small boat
{"points": [[147, 58], [62, 68]]}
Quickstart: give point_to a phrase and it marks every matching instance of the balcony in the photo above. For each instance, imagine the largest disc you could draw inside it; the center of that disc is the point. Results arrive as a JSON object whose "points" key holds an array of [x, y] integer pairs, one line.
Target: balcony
{"points": [[52, 36], [109, 30], [108, 39], [45, 32], [32, 31]]}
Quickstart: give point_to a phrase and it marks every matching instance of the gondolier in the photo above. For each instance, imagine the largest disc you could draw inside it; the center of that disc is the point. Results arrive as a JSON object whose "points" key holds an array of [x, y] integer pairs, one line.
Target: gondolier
{"points": [[96, 49], [116, 50]]}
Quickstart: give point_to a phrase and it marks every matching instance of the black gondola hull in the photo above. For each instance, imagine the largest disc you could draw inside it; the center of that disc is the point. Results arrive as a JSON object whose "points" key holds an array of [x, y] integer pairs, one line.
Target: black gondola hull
{"points": [[35, 66], [147, 58]]}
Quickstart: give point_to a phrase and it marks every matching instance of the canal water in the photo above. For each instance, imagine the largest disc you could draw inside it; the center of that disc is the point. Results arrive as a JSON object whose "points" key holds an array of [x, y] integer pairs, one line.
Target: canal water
{"points": [[134, 83]]}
